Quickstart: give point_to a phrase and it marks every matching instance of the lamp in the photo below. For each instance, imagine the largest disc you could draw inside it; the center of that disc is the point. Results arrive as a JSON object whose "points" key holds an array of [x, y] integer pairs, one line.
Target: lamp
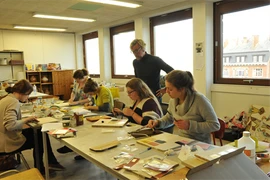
{"points": [[62, 18], [117, 3], [39, 28]]}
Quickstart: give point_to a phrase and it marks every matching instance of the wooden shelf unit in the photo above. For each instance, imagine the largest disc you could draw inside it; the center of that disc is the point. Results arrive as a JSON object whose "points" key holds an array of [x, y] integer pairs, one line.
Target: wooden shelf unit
{"points": [[55, 82]]}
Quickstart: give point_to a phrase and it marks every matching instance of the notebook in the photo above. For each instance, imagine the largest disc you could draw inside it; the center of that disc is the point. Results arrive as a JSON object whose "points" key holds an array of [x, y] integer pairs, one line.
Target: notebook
{"points": [[110, 122]]}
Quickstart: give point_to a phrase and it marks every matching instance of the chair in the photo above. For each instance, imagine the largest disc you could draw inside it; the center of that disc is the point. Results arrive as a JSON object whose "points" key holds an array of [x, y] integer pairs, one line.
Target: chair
{"points": [[220, 133], [19, 156], [118, 104], [168, 129]]}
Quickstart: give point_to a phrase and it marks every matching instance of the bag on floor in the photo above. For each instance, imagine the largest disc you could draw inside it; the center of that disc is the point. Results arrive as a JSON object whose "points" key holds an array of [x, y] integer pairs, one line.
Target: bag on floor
{"points": [[8, 162]]}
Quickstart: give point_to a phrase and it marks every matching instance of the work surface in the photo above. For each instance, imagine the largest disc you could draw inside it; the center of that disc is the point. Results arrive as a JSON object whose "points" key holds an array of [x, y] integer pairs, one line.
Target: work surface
{"points": [[238, 167]]}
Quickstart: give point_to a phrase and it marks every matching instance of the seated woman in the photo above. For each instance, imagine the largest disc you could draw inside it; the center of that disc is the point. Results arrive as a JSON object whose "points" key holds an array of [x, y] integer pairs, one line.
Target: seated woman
{"points": [[13, 136], [103, 100], [146, 105], [102, 96], [188, 109], [77, 95]]}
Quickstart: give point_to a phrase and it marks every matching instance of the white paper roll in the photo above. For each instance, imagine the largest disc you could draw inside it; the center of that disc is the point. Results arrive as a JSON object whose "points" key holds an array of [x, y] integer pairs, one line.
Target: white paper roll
{"points": [[20, 75]]}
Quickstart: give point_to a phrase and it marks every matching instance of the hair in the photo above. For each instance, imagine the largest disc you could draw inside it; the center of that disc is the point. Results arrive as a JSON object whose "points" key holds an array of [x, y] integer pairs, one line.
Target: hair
{"points": [[181, 79], [23, 86], [142, 89], [139, 41], [80, 73], [90, 86]]}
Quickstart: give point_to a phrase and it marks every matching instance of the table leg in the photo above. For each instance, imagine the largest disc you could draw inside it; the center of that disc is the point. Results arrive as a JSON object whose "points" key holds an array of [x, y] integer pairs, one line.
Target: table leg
{"points": [[46, 164], [37, 156]]}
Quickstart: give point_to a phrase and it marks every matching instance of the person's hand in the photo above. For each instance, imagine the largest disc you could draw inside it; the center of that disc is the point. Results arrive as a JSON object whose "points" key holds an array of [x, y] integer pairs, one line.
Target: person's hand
{"points": [[182, 124], [30, 119], [88, 107], [70, 101], [128, 111], [74, 103], [117, 110], [152, 123], [160, 92]]}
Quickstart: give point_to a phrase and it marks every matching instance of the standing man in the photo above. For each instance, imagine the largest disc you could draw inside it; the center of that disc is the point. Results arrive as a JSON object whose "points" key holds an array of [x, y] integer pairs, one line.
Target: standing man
{"points": [[147, 67]]}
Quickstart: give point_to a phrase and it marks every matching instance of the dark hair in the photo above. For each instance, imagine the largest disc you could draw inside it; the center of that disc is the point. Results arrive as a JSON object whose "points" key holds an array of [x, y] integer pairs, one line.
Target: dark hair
{"points": [[80, 73], [23, 86], [90, 86], [181, 79]]}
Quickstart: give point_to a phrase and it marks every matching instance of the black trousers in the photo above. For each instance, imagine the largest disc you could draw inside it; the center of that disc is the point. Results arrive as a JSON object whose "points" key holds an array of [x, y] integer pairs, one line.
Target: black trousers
{"points": [[30, 143]]}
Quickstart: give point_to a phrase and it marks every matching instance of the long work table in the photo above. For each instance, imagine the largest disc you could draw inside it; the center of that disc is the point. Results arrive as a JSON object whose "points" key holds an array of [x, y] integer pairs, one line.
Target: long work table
{"points": [[237, 167]]}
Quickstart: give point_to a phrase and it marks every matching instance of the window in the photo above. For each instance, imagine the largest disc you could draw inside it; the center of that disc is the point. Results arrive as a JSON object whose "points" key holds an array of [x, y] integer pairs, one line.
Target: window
{"points": [[121, 56], [171, 38], [91, 53], [257, 72], [241, 30]]}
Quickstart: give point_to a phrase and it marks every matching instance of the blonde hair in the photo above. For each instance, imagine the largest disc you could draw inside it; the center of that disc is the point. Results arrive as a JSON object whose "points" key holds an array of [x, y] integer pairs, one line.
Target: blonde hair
{"points": [[137, 41]]}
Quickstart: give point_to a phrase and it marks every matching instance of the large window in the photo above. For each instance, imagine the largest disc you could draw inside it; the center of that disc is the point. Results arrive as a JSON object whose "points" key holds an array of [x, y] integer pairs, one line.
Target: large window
{"points": [[121, 56], [91, 54], [242, 32], [172, 39]]}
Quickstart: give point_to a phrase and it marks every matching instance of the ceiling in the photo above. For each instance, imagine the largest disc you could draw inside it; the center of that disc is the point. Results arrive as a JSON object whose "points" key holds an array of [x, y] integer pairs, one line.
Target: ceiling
{"points": [[19, 12]]}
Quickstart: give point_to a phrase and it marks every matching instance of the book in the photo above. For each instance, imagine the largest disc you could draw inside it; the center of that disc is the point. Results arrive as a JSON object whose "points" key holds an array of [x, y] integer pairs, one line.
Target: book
{"points": [[63, 133], [165, 141]]}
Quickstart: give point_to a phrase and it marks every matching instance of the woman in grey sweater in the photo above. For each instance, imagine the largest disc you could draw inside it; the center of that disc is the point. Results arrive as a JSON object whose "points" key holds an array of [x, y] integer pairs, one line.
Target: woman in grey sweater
{"points": [[190, 111]]}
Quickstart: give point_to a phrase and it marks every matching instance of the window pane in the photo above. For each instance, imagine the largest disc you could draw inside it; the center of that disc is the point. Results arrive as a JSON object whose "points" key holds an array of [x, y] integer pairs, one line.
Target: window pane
{"points": [[242, 33], [174, 44], [92, 56], [123, 57]]}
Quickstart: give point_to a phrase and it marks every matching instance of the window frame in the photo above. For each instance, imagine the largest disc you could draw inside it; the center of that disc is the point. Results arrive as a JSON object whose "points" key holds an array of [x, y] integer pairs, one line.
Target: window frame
{"points": [[113, 31], [85, 37], [221, 8]]}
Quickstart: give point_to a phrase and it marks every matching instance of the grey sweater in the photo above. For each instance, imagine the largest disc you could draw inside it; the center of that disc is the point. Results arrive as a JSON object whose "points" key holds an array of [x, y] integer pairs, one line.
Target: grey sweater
{"points": [[200, 113], [11, 137]]}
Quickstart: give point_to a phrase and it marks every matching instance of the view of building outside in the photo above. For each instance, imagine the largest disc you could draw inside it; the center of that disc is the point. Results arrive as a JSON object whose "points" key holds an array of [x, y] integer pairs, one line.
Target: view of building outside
{"points": [[246, 44]]}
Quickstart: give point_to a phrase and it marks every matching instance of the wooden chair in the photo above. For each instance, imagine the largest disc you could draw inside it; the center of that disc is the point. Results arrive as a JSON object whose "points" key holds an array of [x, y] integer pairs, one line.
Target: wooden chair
{"points": [[118, 104], [220, 133]]}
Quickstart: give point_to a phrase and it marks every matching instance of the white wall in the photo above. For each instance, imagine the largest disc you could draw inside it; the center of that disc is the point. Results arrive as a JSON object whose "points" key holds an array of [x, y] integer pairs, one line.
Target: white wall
{"points": [[40, 47]]}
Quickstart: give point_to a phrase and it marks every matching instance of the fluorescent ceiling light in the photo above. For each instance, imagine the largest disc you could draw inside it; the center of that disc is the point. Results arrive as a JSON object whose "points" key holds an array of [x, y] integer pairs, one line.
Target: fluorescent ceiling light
{"points": [[117, 3], [39, 28], [62, 18]]}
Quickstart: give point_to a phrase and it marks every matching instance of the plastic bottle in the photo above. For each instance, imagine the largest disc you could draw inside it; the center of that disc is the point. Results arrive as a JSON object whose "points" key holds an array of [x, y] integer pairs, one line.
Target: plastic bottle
{"points": [[249, 143], [35, 89]]}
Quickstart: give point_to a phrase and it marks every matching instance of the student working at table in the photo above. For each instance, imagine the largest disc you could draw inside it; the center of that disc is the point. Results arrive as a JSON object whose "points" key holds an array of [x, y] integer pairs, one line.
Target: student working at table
{"points": [[190, 111], [103, 100], [146, 105], [77, 95], [15, 136]]}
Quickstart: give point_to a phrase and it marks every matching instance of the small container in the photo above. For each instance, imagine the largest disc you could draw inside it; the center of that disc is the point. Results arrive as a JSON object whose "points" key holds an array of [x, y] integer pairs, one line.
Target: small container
{"points": [[79, 119], [249, 143]]}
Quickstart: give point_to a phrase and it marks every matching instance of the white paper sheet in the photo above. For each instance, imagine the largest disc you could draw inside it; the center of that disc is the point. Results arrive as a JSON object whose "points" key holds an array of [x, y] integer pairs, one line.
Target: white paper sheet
{"points": [[51, 126]]}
